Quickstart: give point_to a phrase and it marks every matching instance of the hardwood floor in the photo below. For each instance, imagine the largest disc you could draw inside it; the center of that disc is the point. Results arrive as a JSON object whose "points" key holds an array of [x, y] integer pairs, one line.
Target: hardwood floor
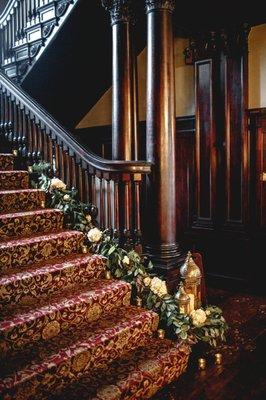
{"points": [[242, 375]]}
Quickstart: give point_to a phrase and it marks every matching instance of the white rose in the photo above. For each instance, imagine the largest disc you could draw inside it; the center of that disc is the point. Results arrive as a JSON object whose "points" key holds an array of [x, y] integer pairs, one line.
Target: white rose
{"points": [[198, 317], [158, 287], [88, 218], [66, 197], [125, 260], [147, 281], [94, 235], [57, 184]]}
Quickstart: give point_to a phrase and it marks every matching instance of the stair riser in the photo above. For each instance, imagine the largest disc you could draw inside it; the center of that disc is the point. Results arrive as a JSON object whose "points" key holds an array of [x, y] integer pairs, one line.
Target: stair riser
{"points": [[19, 255], [6, 162], [26, 225], [146, 375], [14, 180], [26, 200], [69, 365], [48, 322], [14, 290]]}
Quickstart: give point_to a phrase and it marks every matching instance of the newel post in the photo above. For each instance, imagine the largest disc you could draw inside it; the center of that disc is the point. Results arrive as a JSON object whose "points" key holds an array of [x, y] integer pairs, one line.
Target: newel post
{"points": [[124, 103], [161, 138]]}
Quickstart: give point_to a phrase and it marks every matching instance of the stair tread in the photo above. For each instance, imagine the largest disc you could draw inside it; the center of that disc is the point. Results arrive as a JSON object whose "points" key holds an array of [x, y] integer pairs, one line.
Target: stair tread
{"points": [[15, 191], [139, 373], [36, 238], [43, 356], [41, 211], [22, 313], [46, 267]]}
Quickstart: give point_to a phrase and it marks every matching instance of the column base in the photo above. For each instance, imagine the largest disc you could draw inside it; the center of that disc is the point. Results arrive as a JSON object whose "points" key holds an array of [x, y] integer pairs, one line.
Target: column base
{"points": [[167, 260]]}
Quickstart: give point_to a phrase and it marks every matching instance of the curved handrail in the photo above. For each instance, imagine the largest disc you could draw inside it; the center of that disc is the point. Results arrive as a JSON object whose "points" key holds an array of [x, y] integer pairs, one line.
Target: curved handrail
{"points": [[82, 155], [10, 4]]}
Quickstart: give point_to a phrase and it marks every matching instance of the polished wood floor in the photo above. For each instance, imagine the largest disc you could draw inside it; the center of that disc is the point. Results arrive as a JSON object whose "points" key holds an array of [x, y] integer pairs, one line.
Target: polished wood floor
{"points": [[242, 376]]}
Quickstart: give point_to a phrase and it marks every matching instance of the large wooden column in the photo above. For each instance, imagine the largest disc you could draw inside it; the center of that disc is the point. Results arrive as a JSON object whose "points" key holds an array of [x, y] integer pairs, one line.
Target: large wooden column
{"points": [[161, 140], [124, 107]]}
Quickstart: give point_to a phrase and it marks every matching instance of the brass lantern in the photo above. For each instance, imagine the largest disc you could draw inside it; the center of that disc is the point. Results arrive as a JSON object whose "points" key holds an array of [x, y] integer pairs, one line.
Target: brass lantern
{"points": [[183, 300], [191, 276]]}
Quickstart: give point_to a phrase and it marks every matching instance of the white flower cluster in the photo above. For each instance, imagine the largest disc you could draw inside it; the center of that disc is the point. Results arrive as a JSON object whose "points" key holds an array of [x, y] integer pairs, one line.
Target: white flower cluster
{"points": [[126, 260], [57, 184], [94, 235], [157, 286], [198, 317]]}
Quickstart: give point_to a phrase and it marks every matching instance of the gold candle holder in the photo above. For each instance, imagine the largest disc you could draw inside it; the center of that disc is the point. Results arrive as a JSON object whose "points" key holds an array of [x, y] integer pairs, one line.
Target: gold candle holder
{"points": [[42, 204], [15, 153], [30, 169], [201, 363], [84, 249], [108, 275], [218, 358], [139, 302], [161, 333]]}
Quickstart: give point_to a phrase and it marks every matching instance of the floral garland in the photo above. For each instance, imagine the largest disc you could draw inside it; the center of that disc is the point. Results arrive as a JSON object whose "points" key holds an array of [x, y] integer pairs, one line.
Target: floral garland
{"points": [[205, 324]]}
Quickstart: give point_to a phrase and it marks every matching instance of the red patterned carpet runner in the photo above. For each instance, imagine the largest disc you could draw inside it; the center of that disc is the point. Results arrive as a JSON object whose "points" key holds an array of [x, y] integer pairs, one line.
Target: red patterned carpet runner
{"points": [[65, 331]]}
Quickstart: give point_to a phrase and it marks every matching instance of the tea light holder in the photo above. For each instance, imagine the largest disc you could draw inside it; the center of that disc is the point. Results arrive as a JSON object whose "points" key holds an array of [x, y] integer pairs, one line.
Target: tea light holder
{"points": [[42, 204], [108, 275], [84, 249], [201, 363], [15, 153], [139, 302], [218, 358], [161, 333], [30, 169]]}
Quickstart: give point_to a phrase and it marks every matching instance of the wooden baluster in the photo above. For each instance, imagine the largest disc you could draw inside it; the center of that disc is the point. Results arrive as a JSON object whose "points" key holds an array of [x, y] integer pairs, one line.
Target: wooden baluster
{"points": [[73, 172], [116, 209], [24, 137], [127, 211], [30, 139], [12, 116], [61, 162], [20, 19], [17, 22], [19, 129], [40, 144], [54, 159], [101, 201], [93, 188], [87, 190], [137, 213], [80, 186], [67, 164], [109, 204], [50, 150], [25, 15], [45, 147], [34, 141], [13, 30]]}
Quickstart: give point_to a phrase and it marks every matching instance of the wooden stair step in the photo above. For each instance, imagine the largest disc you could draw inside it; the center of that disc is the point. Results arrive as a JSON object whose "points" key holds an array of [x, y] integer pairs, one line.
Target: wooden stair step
{"points": [[139, 374], [50, 277], [27, 251], [50, 366], [24, 324], [6, 162], [28, 223], [21, 199], [14, 180]]}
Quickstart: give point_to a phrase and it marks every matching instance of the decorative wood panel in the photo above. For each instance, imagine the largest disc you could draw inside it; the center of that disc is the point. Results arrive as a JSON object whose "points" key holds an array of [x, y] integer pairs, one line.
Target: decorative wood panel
{"points": [[236, 145], [206, 137]]}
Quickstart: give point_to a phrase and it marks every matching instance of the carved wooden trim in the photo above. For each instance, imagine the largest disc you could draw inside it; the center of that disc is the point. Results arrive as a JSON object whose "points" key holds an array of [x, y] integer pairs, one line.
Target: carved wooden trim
{"points": [[160, 5], [120, 10]]}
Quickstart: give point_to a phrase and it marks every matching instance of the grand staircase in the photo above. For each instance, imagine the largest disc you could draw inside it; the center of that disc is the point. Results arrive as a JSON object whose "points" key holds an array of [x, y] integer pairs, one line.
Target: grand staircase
{"points": [[66, 332]]}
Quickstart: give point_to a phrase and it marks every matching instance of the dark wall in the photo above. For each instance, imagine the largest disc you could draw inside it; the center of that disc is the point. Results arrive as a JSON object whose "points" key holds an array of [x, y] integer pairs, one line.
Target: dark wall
{"points": [[75, 70], [3, 3]]}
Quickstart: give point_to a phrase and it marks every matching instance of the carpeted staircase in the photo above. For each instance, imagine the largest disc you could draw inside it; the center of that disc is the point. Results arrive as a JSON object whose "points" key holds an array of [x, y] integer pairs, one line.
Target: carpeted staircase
{"points": [[65, 331]]}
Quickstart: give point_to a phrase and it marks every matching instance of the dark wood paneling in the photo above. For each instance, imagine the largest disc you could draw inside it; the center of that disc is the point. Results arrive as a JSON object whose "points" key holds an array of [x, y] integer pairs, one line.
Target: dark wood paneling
{"points": [[206, 137], [236, 145]]}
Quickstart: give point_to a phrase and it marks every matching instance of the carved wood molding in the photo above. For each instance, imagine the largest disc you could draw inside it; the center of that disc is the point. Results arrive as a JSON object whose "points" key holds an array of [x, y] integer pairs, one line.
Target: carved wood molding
{"points": [[160, 4], [120, 10], [213, 43]]}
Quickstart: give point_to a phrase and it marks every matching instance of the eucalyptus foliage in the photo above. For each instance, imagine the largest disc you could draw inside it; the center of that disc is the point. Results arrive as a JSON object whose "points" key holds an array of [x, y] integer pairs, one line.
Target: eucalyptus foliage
{"points": [[131, 267]]}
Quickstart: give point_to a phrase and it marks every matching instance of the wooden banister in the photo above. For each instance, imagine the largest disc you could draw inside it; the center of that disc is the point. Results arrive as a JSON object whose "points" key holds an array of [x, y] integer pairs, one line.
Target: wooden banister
{"points": [[113, 186]]}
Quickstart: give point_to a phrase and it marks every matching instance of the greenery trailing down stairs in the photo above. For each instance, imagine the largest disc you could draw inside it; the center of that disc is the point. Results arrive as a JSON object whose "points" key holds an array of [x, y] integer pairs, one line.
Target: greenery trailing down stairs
{"points": [[206, 324]]}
